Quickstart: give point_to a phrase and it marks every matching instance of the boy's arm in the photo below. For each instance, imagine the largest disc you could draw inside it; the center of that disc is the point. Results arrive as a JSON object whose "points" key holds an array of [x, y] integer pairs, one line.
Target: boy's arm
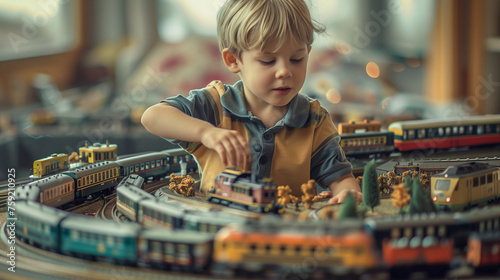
{"points": [[342, 186], [169, 122]]}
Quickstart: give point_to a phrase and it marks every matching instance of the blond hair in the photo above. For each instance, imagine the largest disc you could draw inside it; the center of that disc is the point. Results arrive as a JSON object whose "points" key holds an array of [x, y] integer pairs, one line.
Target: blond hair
{"points": [[260, 24]]}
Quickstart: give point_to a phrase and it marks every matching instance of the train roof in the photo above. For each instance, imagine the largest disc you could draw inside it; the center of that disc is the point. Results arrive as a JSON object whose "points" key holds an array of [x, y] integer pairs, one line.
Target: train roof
{"points": [[255, 180], [132, 180], [40, 212], [365, 134], [212, 217], [141, 158], [467, 169], [49, 182], [272, 224], [181, 236], [99, 226], [162, 207], [133, 193], [413, 220], [91, 168], [53, 156], [459, 121]]}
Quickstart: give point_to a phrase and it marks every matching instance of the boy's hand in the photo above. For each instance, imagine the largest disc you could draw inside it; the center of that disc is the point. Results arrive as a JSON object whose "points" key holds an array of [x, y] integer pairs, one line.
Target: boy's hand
{"points": [[340, 197], [229, 144], [342, 186]]}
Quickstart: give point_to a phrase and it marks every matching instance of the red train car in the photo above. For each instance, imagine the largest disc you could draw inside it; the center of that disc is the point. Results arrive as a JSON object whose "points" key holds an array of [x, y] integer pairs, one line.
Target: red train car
{"points": [[445, 134], [483, 251]]}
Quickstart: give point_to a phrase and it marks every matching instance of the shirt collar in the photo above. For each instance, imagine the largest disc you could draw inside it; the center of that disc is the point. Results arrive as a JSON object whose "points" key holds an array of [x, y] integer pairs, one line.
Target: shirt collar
{"points": [[297, 115]]}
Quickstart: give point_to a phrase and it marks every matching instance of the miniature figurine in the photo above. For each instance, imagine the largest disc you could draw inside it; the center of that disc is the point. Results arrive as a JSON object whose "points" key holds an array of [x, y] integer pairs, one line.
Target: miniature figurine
{"points": [[284, 195], [309, 193]]}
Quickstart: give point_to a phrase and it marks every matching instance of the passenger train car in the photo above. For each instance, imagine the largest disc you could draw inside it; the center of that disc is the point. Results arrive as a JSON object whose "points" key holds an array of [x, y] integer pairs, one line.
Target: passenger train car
{"points": [[364, 139], [465, 185], [94, 178], [445, 134], [55, 190]]}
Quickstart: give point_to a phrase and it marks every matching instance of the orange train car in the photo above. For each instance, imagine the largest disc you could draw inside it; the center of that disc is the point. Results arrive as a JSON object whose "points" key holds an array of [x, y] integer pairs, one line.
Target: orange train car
{"points": [[276, 246]]}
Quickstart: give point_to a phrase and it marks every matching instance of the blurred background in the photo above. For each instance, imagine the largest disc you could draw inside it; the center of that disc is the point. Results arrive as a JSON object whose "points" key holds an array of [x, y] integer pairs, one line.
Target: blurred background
{"points": [[73, 71]]}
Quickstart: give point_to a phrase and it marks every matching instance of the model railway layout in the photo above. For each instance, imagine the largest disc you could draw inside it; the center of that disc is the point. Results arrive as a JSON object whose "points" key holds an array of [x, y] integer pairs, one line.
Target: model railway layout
{"points": [[166, 235]]}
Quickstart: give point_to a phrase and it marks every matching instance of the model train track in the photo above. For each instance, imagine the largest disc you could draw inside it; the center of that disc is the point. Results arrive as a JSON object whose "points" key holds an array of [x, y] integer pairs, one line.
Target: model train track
{"points": [[49, 265]]}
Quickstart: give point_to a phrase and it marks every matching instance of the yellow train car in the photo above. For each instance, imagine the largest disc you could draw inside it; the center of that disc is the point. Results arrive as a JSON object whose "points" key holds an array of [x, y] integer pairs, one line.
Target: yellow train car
{"points": [[98, 152], [364, 126], [465, 185], [50, 164], [337, 249]]}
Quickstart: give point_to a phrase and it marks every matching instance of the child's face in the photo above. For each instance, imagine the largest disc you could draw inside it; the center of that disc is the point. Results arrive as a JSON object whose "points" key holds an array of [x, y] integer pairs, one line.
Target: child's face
{"points": [[273, 78]]}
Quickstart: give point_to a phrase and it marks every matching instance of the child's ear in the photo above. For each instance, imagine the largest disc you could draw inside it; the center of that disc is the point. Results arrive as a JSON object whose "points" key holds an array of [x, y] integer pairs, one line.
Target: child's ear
{"points": [[231, 61]]}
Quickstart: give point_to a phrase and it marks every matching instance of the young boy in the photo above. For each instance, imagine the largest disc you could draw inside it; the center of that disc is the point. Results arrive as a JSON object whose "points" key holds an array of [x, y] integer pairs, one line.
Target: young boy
{"points": [[261, 123]]}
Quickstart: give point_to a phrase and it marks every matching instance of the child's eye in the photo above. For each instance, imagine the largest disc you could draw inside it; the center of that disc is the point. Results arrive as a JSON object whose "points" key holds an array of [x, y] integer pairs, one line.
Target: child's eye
{"points": [[296, 60], [264, 62]]}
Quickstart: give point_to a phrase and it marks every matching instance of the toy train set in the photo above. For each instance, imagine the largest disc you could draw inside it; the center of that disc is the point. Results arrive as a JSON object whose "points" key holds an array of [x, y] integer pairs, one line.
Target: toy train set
{"points": [[168, 236], [406, 136]]}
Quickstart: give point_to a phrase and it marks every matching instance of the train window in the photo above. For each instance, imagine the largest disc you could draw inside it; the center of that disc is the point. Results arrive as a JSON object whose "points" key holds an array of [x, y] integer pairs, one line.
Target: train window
{"points": [[253, 247], [430, 231], [479, 129], [489, 178], [395, 233], [440, 132], [136, 168], [475, 182], [282, 249], [447, 131], [415, 242], [455, 130], [429, 241], [442, 185], [99, 176], [74, 234], [411, 134], [442, 231], [142, 166], [298, 248], [498, 128], [153, 164], [403, 242], [421, 133], [482, 180]]}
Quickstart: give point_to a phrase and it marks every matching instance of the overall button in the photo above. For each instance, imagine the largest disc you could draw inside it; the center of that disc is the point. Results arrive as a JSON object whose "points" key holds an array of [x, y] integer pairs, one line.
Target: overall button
{"points": [[263, 160], [268, 136], [257, 147]]}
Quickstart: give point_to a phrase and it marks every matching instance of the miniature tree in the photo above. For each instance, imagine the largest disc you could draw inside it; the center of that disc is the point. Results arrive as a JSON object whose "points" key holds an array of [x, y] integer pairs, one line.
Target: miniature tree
{"points": [[382, 184], [424, 181], [359, 180], [348, 209], [417, 203], [309, 193], [370, 190], [392, 178], [284, 195], [400, 196]]}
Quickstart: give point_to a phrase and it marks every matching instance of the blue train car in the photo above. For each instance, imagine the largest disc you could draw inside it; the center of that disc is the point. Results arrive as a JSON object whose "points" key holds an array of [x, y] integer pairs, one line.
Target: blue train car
{"points": [[39, 224], [154, 165], [210, 222], [94, 178], [156, 214], [128, 197], [97, 239], [178, 156], [181, 250]]}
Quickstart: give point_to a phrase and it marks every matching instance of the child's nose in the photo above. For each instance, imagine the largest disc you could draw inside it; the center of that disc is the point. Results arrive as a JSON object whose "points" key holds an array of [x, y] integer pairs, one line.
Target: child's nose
{"points": [[283, 71]]}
